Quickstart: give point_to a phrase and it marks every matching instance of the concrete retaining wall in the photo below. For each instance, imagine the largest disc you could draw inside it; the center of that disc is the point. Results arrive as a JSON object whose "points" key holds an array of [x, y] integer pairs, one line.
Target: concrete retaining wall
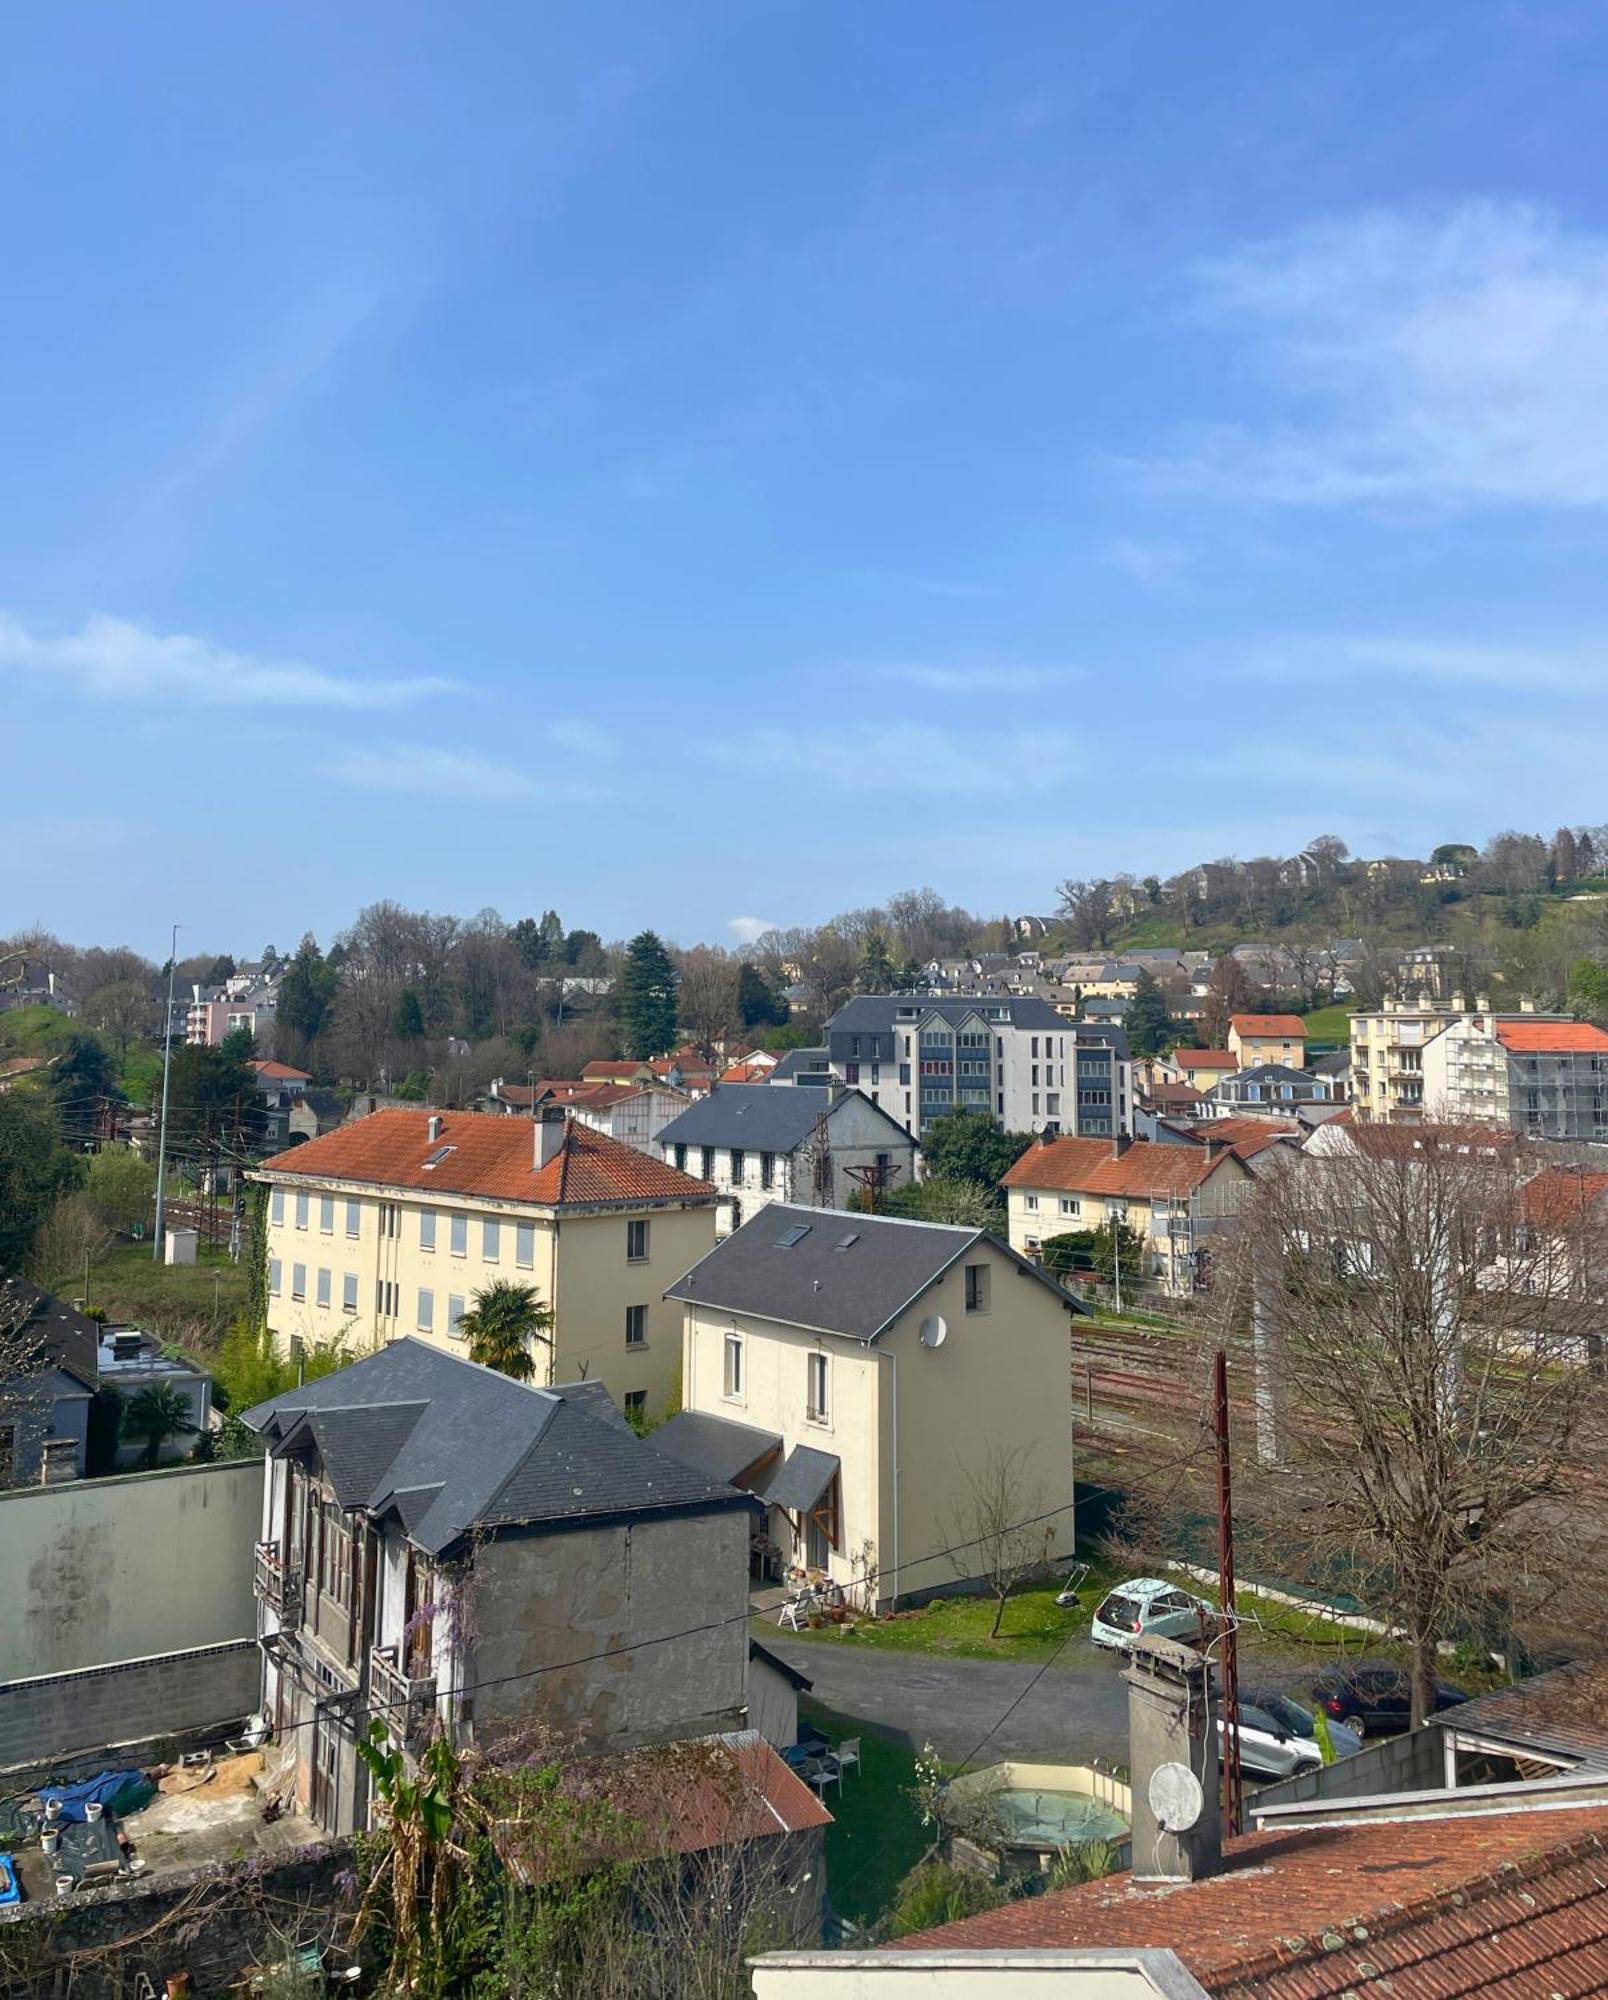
{"points": [[53, 1716]]}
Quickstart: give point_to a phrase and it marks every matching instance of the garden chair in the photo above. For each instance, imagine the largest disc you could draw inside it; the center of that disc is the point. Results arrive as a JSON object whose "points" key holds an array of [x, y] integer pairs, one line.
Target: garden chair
{"points": [[848, 1755]]}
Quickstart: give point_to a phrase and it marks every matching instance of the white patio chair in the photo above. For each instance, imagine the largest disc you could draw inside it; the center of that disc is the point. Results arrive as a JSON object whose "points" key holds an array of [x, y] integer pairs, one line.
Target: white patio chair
{"points": [[848, 1755]]}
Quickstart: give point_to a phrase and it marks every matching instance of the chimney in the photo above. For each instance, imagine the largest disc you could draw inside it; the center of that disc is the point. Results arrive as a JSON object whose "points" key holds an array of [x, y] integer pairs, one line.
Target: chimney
{"points": [[432, 1128], [551, 1128], [1527, 1005], [1172, 1756], [1120, 1145]]}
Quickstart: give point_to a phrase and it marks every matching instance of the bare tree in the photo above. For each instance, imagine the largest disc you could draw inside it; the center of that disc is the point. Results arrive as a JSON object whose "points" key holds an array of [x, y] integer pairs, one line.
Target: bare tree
{"points": [[992, 1529], [706, 997], [1420, 1384], [1229, 991], [1088, 909]]}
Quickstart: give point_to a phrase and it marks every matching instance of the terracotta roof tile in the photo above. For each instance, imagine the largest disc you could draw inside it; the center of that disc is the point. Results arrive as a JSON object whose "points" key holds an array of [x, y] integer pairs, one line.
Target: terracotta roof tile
{"points": [[1089, 1166], [1285, 1027], [492, 1155], [282, 1071], [1551, 1037], [1424, 1909], [1204, 1059], [1561, 1196]]}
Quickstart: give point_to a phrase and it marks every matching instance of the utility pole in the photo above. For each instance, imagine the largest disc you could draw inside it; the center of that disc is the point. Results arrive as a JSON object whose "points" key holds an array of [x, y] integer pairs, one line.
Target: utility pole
{"points": [[1233, 1784], [1116, 1258], [167, 1069], [875, 1179]]}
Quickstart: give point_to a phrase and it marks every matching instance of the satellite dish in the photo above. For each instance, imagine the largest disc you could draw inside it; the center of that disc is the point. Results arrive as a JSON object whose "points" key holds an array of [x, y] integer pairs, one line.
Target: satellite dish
{"points": [[1175, 1797], [934, 1330]]}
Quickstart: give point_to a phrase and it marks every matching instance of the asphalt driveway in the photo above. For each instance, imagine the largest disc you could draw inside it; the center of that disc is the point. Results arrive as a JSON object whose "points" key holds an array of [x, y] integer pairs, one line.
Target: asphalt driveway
{"points": [[1077, 1710]]}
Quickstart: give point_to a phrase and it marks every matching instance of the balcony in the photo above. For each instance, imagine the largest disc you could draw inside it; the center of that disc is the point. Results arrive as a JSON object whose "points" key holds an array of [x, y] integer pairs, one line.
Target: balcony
{"points": [[277, 1582], [405, 1705]]}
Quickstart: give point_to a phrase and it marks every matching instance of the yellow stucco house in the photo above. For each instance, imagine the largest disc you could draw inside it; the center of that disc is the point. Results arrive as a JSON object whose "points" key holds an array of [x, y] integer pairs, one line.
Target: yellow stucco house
{"points": [[859, 1373], [1267, 1038], [1201, 1069], [391, 1225]]}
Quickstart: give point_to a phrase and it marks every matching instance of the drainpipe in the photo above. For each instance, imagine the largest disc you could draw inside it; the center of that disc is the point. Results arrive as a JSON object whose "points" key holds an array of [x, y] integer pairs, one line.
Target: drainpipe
{"points": [[886, 1354]]}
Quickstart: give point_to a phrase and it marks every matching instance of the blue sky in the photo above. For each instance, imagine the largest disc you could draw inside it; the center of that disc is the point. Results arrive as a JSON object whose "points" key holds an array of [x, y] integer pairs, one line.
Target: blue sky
{"points": [[711, 465]]}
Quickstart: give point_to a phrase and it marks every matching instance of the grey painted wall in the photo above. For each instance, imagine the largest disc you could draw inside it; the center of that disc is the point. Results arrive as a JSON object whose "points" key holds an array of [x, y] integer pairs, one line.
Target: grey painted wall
{"points": [[60, 1715]]}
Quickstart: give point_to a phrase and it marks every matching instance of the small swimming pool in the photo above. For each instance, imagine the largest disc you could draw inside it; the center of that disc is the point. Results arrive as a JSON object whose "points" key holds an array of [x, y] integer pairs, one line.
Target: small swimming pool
{"points": [[1032, 1818]]}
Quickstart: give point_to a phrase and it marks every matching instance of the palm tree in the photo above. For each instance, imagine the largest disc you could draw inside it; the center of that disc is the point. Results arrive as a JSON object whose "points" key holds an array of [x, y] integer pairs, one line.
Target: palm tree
{"points": [[157, 1413], [504, 1319]]}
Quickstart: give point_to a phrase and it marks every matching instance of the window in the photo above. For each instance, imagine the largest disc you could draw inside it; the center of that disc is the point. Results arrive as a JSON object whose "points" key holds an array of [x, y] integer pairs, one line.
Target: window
{"points": [[335, 1557], [636, 1403], [525, 1243], [739, 1160], [460, 1236], [636, 1242], [349, 1291], [390, 1218], [816, 1407], [767, 1170], [301, 1209], [1052, 1104], [276, 1205], [427, 1221], [326, 1214], [455, 1315], [707, 1166], [681, 1157], [276, 1276], [1030, 1203], [324, 1293], [636, 1326], [1069, 1204], [977, 1288], [851, 1072], [426, 1310], [734, 1366], [385, 1298], [354, 1217], [491, 1241]]}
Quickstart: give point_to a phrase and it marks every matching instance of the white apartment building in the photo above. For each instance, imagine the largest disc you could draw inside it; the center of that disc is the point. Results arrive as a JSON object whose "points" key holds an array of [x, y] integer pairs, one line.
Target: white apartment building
{"points": [[1012, 1057], [1387, 1057], [1541, 1076]]}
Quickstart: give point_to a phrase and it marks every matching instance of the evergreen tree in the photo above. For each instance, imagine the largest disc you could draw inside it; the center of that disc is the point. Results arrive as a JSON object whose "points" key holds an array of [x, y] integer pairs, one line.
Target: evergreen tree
{"points": [[647, 998], [757, 1005], [408, 1023], [306, 994], [1149, 1024], [35, 1171], [501, 1324], [83, 1081], [876, 970], [1585, 855], [969, 1146], [529, 942], [1565, 856], [213, 1093]]}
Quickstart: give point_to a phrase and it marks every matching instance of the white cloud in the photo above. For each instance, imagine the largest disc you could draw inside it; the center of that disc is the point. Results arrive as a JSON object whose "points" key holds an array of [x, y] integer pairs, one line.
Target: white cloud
{"points": [[982, 678], [746, 929], [1456, 359], [1465, 663], [446, 774], [915, 759], [582, 738], [110, 659], [1148, 563]]}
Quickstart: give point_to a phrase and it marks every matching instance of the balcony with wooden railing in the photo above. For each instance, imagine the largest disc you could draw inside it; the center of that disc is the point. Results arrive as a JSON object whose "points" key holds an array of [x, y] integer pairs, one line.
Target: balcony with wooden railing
{"points": [[404, 1702], [277, 1581]]}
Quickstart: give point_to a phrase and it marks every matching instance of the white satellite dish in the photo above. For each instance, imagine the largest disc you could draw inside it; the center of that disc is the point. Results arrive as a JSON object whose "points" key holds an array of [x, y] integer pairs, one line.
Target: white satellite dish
{"points": [[1176, 1798], [934, 1330]]}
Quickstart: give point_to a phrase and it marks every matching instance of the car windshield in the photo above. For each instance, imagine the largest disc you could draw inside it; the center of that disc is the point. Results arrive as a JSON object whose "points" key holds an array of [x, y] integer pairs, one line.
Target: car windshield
{"points": [[1121, 1612], [1290, 1714]]}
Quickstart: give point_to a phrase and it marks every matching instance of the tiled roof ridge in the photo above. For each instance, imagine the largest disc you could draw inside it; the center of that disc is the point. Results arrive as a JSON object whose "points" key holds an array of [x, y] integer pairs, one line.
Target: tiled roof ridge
{"points": [[1391, 1919]]}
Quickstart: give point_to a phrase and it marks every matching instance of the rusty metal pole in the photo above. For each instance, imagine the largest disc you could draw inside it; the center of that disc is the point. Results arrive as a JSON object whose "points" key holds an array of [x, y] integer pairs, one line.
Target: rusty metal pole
{"points": [[1233, 1783]]}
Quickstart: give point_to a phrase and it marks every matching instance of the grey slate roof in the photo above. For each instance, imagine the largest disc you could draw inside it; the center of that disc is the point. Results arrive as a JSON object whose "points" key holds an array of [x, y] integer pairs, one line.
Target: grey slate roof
{"points": [[448, 1447], [857, 1290], [796, 1060], [802, 1479], [40, 1331], [759, 1117], [878, 1013], [714, 1445]]}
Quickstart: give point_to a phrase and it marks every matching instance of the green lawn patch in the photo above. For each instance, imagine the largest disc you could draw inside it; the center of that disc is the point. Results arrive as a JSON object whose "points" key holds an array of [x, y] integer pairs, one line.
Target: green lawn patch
{"points": [[189, 1304], [1033, 1627], [1329, 1024], [875, 1838]]}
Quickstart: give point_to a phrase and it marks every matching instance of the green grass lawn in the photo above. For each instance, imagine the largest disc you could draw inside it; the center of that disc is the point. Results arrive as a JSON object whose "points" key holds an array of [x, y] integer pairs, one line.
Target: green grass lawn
{"points": [[1033, 1627], [185, 1303], [1329, 1024], [875, 1838]]}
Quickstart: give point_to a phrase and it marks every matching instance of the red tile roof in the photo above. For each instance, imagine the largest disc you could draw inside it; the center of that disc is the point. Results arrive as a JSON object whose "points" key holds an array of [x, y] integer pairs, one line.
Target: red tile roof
{"points": [[1512, 1904], [1283, 1027], [1247, 1136], [492, 1155], [609, 1071], [1551, 1037], [281, 1071], [1561, 1196], [1204, 1059], [1089, 1166], [746, 1072]]}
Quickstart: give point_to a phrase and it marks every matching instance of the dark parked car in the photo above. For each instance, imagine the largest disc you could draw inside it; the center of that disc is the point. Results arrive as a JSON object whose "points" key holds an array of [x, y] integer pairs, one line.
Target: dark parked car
{"points": [[1375, 1700]]}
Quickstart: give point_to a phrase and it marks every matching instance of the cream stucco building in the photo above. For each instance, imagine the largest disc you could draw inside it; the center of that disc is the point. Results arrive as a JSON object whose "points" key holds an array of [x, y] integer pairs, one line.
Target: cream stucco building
{"points": [[858, 1373], [390, 1226], [1267, 1038]]}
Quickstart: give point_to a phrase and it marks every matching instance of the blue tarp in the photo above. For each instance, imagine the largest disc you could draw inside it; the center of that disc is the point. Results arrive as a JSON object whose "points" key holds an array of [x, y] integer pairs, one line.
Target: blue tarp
{"points": [[119, 1791]]}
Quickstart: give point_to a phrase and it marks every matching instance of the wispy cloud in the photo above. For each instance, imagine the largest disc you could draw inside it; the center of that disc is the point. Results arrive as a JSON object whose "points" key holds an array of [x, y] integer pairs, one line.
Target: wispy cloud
{"points": [[746, 929], [430, 772], [1569, 669], [982, 678], [1458, 358], [582, 738], [916, 759], [110, 659], [1148, 563]]}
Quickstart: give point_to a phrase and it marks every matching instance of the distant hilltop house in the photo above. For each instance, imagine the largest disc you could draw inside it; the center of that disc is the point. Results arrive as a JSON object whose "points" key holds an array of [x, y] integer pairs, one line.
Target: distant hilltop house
{"points": [[248, 998], [27, 981]]}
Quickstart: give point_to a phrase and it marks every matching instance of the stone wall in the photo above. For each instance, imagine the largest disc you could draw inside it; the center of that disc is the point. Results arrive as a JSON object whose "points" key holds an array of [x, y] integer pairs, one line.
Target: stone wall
{"points": [[212, 1922], [129, 1702]]}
